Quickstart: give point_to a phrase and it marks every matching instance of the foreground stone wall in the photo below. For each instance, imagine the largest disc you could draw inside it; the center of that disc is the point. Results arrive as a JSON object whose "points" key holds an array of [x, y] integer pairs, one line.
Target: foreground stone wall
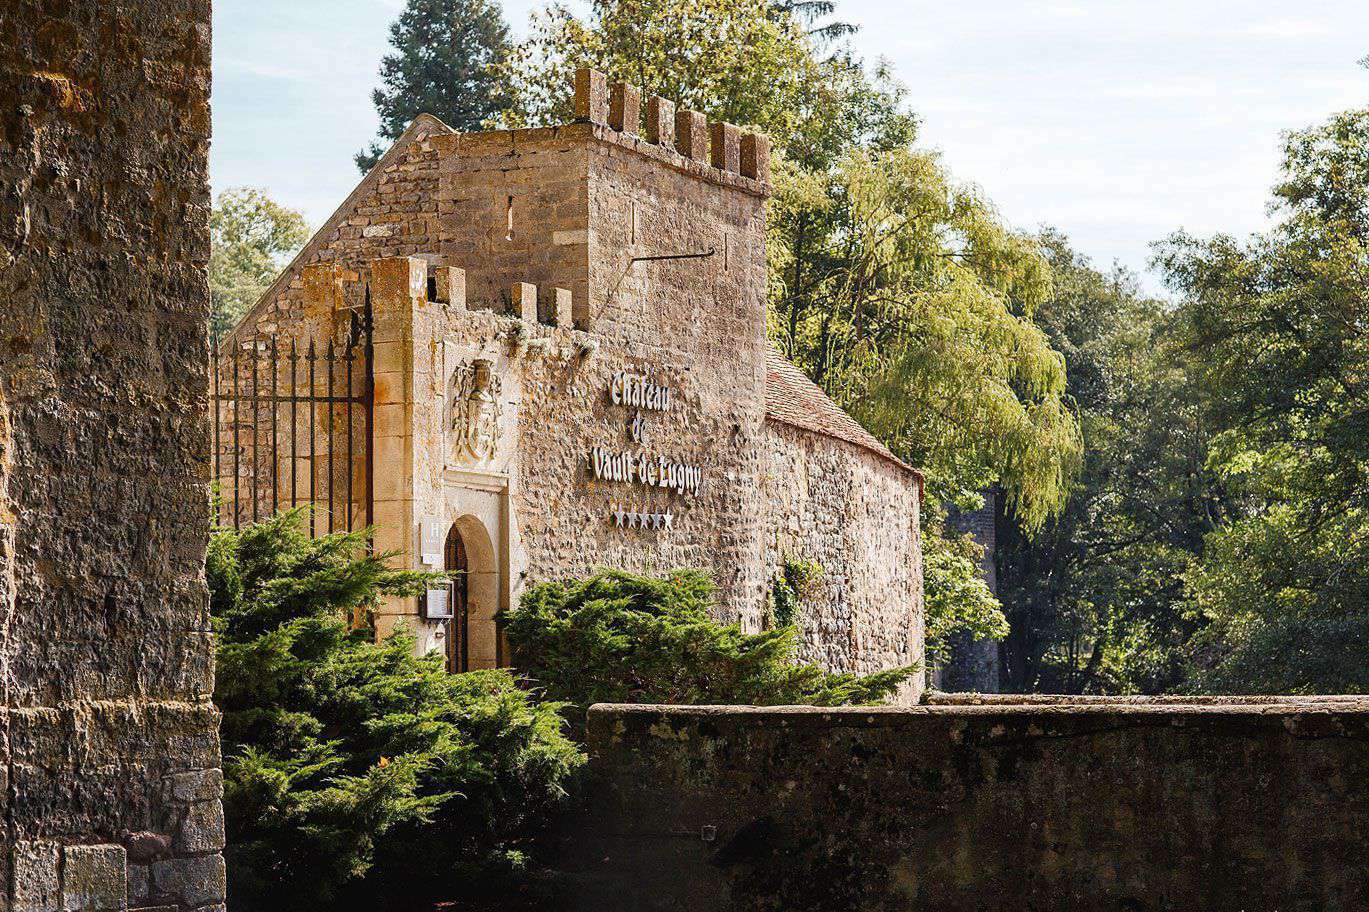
{"points": [[855, 514], [108, 740], [979, 805]]}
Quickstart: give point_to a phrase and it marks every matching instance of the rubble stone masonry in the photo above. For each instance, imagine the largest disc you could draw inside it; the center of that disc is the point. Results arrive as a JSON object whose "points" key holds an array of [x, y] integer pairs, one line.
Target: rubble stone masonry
{"points": [[854, 514], [979, 804], [109, 754]]}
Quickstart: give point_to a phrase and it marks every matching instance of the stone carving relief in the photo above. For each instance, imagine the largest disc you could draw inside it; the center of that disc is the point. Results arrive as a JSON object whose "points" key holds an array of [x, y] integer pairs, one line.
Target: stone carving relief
{"points": [[476, 411]]}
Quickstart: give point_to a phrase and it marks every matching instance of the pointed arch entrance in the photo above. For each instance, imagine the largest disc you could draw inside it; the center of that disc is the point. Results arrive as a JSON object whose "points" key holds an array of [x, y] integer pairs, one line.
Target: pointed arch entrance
{"points": [[473, 640]]}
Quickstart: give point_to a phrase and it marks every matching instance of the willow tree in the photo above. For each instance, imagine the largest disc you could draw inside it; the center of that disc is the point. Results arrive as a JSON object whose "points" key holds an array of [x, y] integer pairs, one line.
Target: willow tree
{"points": [[919, 321]]}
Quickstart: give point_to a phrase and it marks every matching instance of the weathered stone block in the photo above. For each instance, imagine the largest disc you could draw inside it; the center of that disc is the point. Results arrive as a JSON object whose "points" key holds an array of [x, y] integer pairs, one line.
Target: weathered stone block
{"points": [[523, 298], [139, 884], [691, 135], [625, 108], [201, 829], [451, 286], [396, 279], [94, 878], [196, 881], [36, 875], [591, 96], [660, 121], [197, 785], [755, 156], [726, 143], [563, 312]]}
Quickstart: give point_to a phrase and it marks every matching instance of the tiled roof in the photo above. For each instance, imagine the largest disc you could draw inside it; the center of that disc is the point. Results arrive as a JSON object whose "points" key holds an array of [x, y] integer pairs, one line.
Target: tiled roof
{"points": [[791, 398]]}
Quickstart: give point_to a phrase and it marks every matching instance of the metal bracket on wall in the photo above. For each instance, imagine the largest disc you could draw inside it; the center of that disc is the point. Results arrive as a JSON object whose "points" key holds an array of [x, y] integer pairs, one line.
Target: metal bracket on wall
{"points": [[675, 256]]}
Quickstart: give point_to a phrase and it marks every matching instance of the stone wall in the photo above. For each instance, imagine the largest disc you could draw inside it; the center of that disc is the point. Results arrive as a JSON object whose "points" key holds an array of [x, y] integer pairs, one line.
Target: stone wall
{"points": [[109, 746], [1246, 805], [854, 514]]}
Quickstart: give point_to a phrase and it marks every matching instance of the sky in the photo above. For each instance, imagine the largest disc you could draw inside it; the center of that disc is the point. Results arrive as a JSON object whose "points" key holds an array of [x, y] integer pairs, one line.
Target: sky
{"points": [[1115, 122]]}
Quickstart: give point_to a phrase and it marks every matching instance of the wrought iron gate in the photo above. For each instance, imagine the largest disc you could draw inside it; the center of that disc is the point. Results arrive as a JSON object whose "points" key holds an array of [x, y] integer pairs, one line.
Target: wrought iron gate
{"points": [[293, 425]]}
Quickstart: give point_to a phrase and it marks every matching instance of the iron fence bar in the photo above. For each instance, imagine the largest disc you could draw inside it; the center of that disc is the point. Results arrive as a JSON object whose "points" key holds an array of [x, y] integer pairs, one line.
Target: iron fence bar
{"points": [[215, 459], [275, 448], [294, 426], [331, 363], [369, 405], [350, 465], [256, 423], [237, 448], [313, 447]]}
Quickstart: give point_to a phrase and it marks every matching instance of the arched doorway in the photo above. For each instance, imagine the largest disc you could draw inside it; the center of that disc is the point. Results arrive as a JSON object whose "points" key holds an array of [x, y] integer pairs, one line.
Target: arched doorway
{"points": [[458, 626], [472, 632]]}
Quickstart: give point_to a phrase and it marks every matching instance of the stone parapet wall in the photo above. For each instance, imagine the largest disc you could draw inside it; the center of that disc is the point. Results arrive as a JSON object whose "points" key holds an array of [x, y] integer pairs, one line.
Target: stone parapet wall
{"points": [[1220, 805], [109, 745]]}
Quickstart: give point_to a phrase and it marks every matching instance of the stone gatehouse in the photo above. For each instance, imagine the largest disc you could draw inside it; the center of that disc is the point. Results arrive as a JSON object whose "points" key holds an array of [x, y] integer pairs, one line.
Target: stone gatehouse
{"points": [[557, 340]]}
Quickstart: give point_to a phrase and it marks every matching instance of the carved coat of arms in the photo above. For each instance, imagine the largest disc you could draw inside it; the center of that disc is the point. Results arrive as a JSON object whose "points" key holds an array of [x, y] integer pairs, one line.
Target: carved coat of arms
{"points": [[476, 410]]}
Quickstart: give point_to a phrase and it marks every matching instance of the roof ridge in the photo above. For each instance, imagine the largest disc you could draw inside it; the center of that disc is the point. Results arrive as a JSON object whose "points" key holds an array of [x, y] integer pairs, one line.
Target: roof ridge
{"points": [[791, 397]]}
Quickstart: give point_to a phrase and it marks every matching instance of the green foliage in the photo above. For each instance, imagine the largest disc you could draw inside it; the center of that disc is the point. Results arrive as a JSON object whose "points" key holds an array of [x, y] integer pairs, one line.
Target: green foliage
{"points": [[353, 767], [616, 637], [251, 237], [449, 60], [1276, 329], [955, 595], [796, 582], [1095, 597], [732, 59]]}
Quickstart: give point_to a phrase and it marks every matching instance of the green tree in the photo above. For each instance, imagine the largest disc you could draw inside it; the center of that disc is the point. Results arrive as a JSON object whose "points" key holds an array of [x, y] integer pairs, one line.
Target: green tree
{"points": [[1278, 330], [356, 774], [448, 61], [618, 637], [758, 67], [1095, 597], [251, 237], [921, 328], [957, 599]]}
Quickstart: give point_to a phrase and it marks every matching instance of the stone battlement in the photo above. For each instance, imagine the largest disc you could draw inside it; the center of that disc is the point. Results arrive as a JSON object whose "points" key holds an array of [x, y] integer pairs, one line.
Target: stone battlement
{"points": [[688, 134]]}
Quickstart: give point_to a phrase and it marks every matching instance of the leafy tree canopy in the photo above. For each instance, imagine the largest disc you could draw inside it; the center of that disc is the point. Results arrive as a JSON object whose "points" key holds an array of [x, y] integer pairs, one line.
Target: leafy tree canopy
{"points": [[1095, 597], [251, 237], [1278, 328], [908, 300], [449, 61]]}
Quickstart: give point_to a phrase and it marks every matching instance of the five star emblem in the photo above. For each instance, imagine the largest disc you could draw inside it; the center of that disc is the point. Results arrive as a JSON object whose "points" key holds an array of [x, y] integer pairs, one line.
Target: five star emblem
{"points": [[628, 519]]}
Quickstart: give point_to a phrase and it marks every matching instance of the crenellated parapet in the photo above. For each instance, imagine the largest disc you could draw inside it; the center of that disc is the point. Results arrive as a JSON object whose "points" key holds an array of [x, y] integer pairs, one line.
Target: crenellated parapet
{"points": [[723, 147]]}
